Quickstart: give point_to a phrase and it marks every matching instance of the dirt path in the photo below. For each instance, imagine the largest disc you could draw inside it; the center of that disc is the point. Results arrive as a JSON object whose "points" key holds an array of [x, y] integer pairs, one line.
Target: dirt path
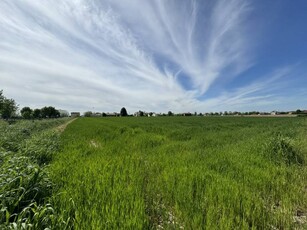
{"points": [[62, 127]]}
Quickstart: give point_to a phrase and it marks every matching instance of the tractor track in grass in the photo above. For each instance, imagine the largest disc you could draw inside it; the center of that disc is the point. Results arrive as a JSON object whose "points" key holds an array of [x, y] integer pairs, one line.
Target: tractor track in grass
{"points": [[62, 127]]}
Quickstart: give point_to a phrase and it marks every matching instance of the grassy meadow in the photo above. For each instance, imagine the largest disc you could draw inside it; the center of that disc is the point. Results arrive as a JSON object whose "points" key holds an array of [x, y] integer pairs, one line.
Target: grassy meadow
{"points": [[181, 173]]}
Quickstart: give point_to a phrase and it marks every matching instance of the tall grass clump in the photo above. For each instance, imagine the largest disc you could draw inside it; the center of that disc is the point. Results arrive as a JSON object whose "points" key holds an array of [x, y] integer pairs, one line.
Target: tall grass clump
{"points": [[22, 184], [282, 149], [41, 147]]}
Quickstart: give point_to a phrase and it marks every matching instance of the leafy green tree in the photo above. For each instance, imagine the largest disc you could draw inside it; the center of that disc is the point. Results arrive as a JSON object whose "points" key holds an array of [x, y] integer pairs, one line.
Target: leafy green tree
{"points": [[8, 107], [170, 113], [49, 112], [123, 112], [36, 113], [26, 112]]}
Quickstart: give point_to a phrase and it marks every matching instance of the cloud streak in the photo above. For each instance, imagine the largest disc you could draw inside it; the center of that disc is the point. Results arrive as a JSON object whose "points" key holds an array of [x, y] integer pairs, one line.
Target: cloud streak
{"points": [[152, 55]]}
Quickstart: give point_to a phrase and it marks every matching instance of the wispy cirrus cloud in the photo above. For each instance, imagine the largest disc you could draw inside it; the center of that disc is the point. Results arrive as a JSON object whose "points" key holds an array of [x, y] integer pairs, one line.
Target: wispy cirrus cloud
{"points": [[201, 40], [152, 55]]}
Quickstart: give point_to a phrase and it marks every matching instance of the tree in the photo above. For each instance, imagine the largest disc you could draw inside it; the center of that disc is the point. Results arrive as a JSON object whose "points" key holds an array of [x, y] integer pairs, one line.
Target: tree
{"points": [[1, 99], [49, 112], [26, 112], [88, 114], [123, 112], [170, 113], [37, 113], [8, 107]]}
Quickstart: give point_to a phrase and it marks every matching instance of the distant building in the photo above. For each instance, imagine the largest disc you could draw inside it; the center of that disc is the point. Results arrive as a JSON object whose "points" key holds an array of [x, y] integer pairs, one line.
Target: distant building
{"points": [[139, 114], [275, 113], [75, 114], [150, 114], [187, 114]]}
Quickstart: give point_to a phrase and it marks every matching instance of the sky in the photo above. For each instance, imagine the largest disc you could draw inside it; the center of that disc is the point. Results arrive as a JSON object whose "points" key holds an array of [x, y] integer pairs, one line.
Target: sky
{"points": [[155, 55]]}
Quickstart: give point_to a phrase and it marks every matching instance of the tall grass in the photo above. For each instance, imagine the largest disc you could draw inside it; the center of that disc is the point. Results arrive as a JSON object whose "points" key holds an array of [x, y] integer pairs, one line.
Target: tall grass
{"points": [[178, 172], [26, 148]]}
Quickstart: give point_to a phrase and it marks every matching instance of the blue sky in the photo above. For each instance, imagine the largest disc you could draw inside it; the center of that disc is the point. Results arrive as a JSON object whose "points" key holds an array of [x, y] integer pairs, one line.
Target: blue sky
{"points": [[155, 55]]}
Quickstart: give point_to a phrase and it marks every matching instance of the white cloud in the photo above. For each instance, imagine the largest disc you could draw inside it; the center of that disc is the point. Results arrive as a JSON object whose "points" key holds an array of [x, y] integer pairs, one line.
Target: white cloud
{"points": [[82, 54]]}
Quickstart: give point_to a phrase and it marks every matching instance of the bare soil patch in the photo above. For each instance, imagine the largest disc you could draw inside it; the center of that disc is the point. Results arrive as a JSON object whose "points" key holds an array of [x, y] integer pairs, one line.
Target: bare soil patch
{"points": [[94, 144], [62, 127]]}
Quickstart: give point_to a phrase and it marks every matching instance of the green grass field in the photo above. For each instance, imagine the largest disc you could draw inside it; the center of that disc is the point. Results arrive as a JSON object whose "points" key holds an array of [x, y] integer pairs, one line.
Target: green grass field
{"points": [[182, 173]]}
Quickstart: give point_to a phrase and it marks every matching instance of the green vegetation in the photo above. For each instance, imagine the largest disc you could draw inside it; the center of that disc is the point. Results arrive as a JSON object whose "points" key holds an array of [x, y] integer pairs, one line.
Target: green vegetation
{"points": [[182, 172], [45, 112], [27, 113], [8, 106], [9, 109], [123, 112], [26, 147], [149, 173]]}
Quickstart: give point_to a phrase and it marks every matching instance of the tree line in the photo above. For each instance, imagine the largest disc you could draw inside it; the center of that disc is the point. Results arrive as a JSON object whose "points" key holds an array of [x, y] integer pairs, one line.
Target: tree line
{"points": [[45, 112], [9, 108]]}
